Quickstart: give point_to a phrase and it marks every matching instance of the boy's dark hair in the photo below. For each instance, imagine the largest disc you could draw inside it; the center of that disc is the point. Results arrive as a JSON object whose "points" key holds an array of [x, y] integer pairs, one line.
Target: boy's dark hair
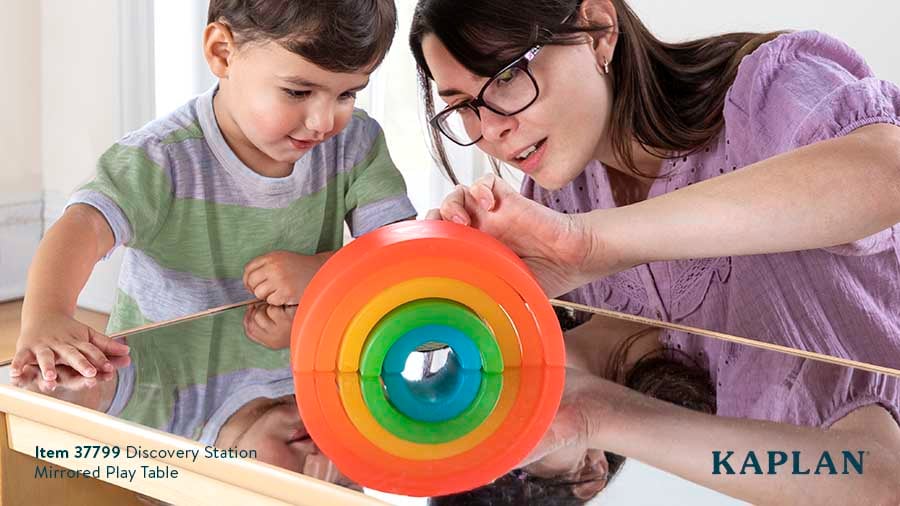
{"points": [[337, 35]]}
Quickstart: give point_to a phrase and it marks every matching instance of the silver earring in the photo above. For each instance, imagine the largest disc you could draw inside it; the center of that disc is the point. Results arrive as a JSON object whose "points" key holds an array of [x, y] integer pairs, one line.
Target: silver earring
{"points": [[605, 65]]}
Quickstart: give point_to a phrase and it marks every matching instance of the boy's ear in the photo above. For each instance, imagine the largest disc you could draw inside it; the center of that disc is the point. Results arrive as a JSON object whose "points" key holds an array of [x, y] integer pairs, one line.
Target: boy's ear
{"points": [[218, 48]]}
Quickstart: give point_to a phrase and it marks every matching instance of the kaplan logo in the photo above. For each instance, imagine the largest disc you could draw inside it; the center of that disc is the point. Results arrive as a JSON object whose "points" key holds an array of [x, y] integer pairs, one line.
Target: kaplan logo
{"points": [[769, 463]]}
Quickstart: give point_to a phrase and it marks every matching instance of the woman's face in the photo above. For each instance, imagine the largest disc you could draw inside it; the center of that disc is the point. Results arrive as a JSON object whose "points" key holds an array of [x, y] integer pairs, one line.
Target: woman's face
{"points": [[568, 121]]}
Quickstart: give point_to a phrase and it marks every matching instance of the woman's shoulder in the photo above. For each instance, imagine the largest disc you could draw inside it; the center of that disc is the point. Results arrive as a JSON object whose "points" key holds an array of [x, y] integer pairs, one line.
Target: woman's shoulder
{"points": [[794, 56]]}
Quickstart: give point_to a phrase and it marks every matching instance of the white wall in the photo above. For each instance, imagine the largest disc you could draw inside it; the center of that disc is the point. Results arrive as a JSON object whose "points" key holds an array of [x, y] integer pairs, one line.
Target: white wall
{"points": [[20, 180], [869, 26], [20, 103], [96, 75]]}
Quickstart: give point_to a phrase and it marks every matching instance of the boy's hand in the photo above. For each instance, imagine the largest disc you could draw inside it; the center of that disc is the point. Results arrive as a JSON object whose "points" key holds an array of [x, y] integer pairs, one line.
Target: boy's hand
{"points": [[280, 277], [60, 339], [67, 379], [269, 325]]}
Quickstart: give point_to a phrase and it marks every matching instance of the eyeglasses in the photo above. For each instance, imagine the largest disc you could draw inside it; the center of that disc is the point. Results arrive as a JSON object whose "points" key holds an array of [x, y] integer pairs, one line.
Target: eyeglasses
{"points": [[509, 92]]}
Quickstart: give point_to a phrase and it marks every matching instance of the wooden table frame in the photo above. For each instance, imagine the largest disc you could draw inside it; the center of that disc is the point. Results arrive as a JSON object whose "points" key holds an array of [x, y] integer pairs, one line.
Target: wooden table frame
{"points": [[29, 419]]}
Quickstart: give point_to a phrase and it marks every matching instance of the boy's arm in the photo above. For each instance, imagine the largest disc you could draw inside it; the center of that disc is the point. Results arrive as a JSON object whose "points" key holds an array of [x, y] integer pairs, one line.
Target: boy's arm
{"points": [[61, 267], [377, 193]]}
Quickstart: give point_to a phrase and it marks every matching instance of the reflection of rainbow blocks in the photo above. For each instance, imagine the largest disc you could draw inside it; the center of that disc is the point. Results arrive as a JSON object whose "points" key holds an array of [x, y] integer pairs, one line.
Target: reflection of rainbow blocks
{"points": [[402, 288]]}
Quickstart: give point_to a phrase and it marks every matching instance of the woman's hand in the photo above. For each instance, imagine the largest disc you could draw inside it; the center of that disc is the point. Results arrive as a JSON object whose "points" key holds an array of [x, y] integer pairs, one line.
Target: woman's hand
{"points": [[567, 451], [558, 248], [565, 445]]}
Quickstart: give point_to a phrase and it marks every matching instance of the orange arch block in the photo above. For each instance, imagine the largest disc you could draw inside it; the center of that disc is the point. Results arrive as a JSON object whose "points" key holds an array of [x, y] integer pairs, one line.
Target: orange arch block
{"points": [[383, 259]]}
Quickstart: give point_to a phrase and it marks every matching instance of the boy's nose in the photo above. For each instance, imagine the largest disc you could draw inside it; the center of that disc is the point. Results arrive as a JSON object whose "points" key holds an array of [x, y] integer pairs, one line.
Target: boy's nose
{"points": [[320, 120]]}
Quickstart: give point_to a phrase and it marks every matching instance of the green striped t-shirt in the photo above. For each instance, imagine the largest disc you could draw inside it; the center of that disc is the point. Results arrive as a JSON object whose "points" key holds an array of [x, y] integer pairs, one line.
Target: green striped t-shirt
{"points": [[191, 214]]}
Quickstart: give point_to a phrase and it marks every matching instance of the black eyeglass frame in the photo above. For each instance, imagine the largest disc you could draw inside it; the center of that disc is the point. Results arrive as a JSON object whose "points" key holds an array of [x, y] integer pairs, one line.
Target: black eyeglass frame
{"points": [[521, 63]]}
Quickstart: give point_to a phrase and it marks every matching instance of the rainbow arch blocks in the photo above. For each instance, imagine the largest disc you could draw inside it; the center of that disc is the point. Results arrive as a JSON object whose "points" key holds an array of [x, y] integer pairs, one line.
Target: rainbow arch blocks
{"points": [[399, 289]]}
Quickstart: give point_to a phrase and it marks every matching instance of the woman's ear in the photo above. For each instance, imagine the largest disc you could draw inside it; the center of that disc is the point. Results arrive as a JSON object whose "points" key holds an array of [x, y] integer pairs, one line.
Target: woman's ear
{"points": [[218, 48], [594, 474], [603, 42]]}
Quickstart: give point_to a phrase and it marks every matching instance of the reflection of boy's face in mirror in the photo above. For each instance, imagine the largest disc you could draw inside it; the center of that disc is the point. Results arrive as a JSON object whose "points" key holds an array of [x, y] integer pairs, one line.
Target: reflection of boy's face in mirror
{"points": [[274, 429], [269, 325]]}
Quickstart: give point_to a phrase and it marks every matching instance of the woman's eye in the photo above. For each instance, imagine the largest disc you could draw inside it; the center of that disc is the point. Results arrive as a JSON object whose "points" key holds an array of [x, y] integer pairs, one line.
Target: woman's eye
{"points": [[296, 93], [506, 76]]}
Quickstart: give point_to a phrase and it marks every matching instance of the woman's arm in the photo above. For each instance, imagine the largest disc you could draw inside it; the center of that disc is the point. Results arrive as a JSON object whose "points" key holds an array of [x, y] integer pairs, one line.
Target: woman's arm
{"points": [[684, 442], [830, 193]]}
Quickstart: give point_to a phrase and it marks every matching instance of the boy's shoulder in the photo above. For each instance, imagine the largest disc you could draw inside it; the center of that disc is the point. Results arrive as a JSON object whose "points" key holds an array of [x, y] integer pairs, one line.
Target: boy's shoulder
{"points": [[182, 124]]}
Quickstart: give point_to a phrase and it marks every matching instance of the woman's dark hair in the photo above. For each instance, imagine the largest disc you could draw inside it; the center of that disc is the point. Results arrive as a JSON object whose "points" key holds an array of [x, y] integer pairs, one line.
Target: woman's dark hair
{"points": [[668, 97], [337, 35], [668, 375]]}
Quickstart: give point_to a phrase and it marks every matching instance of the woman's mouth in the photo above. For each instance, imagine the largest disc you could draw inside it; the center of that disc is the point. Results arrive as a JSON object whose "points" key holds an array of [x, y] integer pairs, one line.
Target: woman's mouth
{"points": [[530, 158]]}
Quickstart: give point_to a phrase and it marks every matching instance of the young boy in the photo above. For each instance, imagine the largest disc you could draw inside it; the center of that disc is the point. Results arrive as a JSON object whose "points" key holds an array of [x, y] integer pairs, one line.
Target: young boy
{"points": [[241, 192]]}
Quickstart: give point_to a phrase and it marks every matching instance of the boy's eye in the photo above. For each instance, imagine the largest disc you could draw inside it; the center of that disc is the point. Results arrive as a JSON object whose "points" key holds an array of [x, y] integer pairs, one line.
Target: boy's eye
{"points": [[350, 95], [296, 93]]}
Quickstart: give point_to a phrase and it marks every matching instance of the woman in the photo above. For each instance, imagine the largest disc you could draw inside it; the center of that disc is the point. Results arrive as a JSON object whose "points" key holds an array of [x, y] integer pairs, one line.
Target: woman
{"points": [[773, 158]]}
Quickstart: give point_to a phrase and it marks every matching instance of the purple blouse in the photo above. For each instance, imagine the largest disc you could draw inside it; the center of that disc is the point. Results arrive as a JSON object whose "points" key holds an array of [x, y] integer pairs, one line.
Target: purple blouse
{"points": [[843, 301]]}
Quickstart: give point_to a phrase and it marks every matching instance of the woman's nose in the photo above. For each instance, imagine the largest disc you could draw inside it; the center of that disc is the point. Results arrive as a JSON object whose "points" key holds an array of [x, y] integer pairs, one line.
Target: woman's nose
{"points": [[496, 127]]}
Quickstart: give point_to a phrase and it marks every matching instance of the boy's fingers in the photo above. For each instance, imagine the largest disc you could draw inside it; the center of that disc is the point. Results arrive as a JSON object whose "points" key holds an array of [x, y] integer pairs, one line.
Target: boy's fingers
{"points": [[253, 265], [257, 262], [96, 357], [263, 290], [109, 347], [72, 356], [254, 276], [262, 320], [46, 360], [433, 214], [119, 362], [21, 359]]}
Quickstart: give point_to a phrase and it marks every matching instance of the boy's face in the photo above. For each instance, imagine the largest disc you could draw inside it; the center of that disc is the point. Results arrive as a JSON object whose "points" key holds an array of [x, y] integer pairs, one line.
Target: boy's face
{"points": [[273, 105]]}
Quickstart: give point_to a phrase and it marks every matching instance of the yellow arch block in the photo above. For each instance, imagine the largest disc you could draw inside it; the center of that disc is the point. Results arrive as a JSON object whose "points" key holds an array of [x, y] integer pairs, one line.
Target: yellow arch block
{"points": [[497, 320], [362, 419]]}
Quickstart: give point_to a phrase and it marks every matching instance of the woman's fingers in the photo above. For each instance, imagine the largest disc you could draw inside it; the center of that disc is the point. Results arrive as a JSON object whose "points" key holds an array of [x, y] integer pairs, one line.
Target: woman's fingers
{"points": [[454, 208], [483, 191]]}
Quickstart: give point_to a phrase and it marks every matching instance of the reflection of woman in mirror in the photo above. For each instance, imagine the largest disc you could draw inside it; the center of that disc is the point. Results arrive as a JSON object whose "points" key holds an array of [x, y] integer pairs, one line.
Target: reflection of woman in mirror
{"points": [[205, 380], [744, 183]]}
